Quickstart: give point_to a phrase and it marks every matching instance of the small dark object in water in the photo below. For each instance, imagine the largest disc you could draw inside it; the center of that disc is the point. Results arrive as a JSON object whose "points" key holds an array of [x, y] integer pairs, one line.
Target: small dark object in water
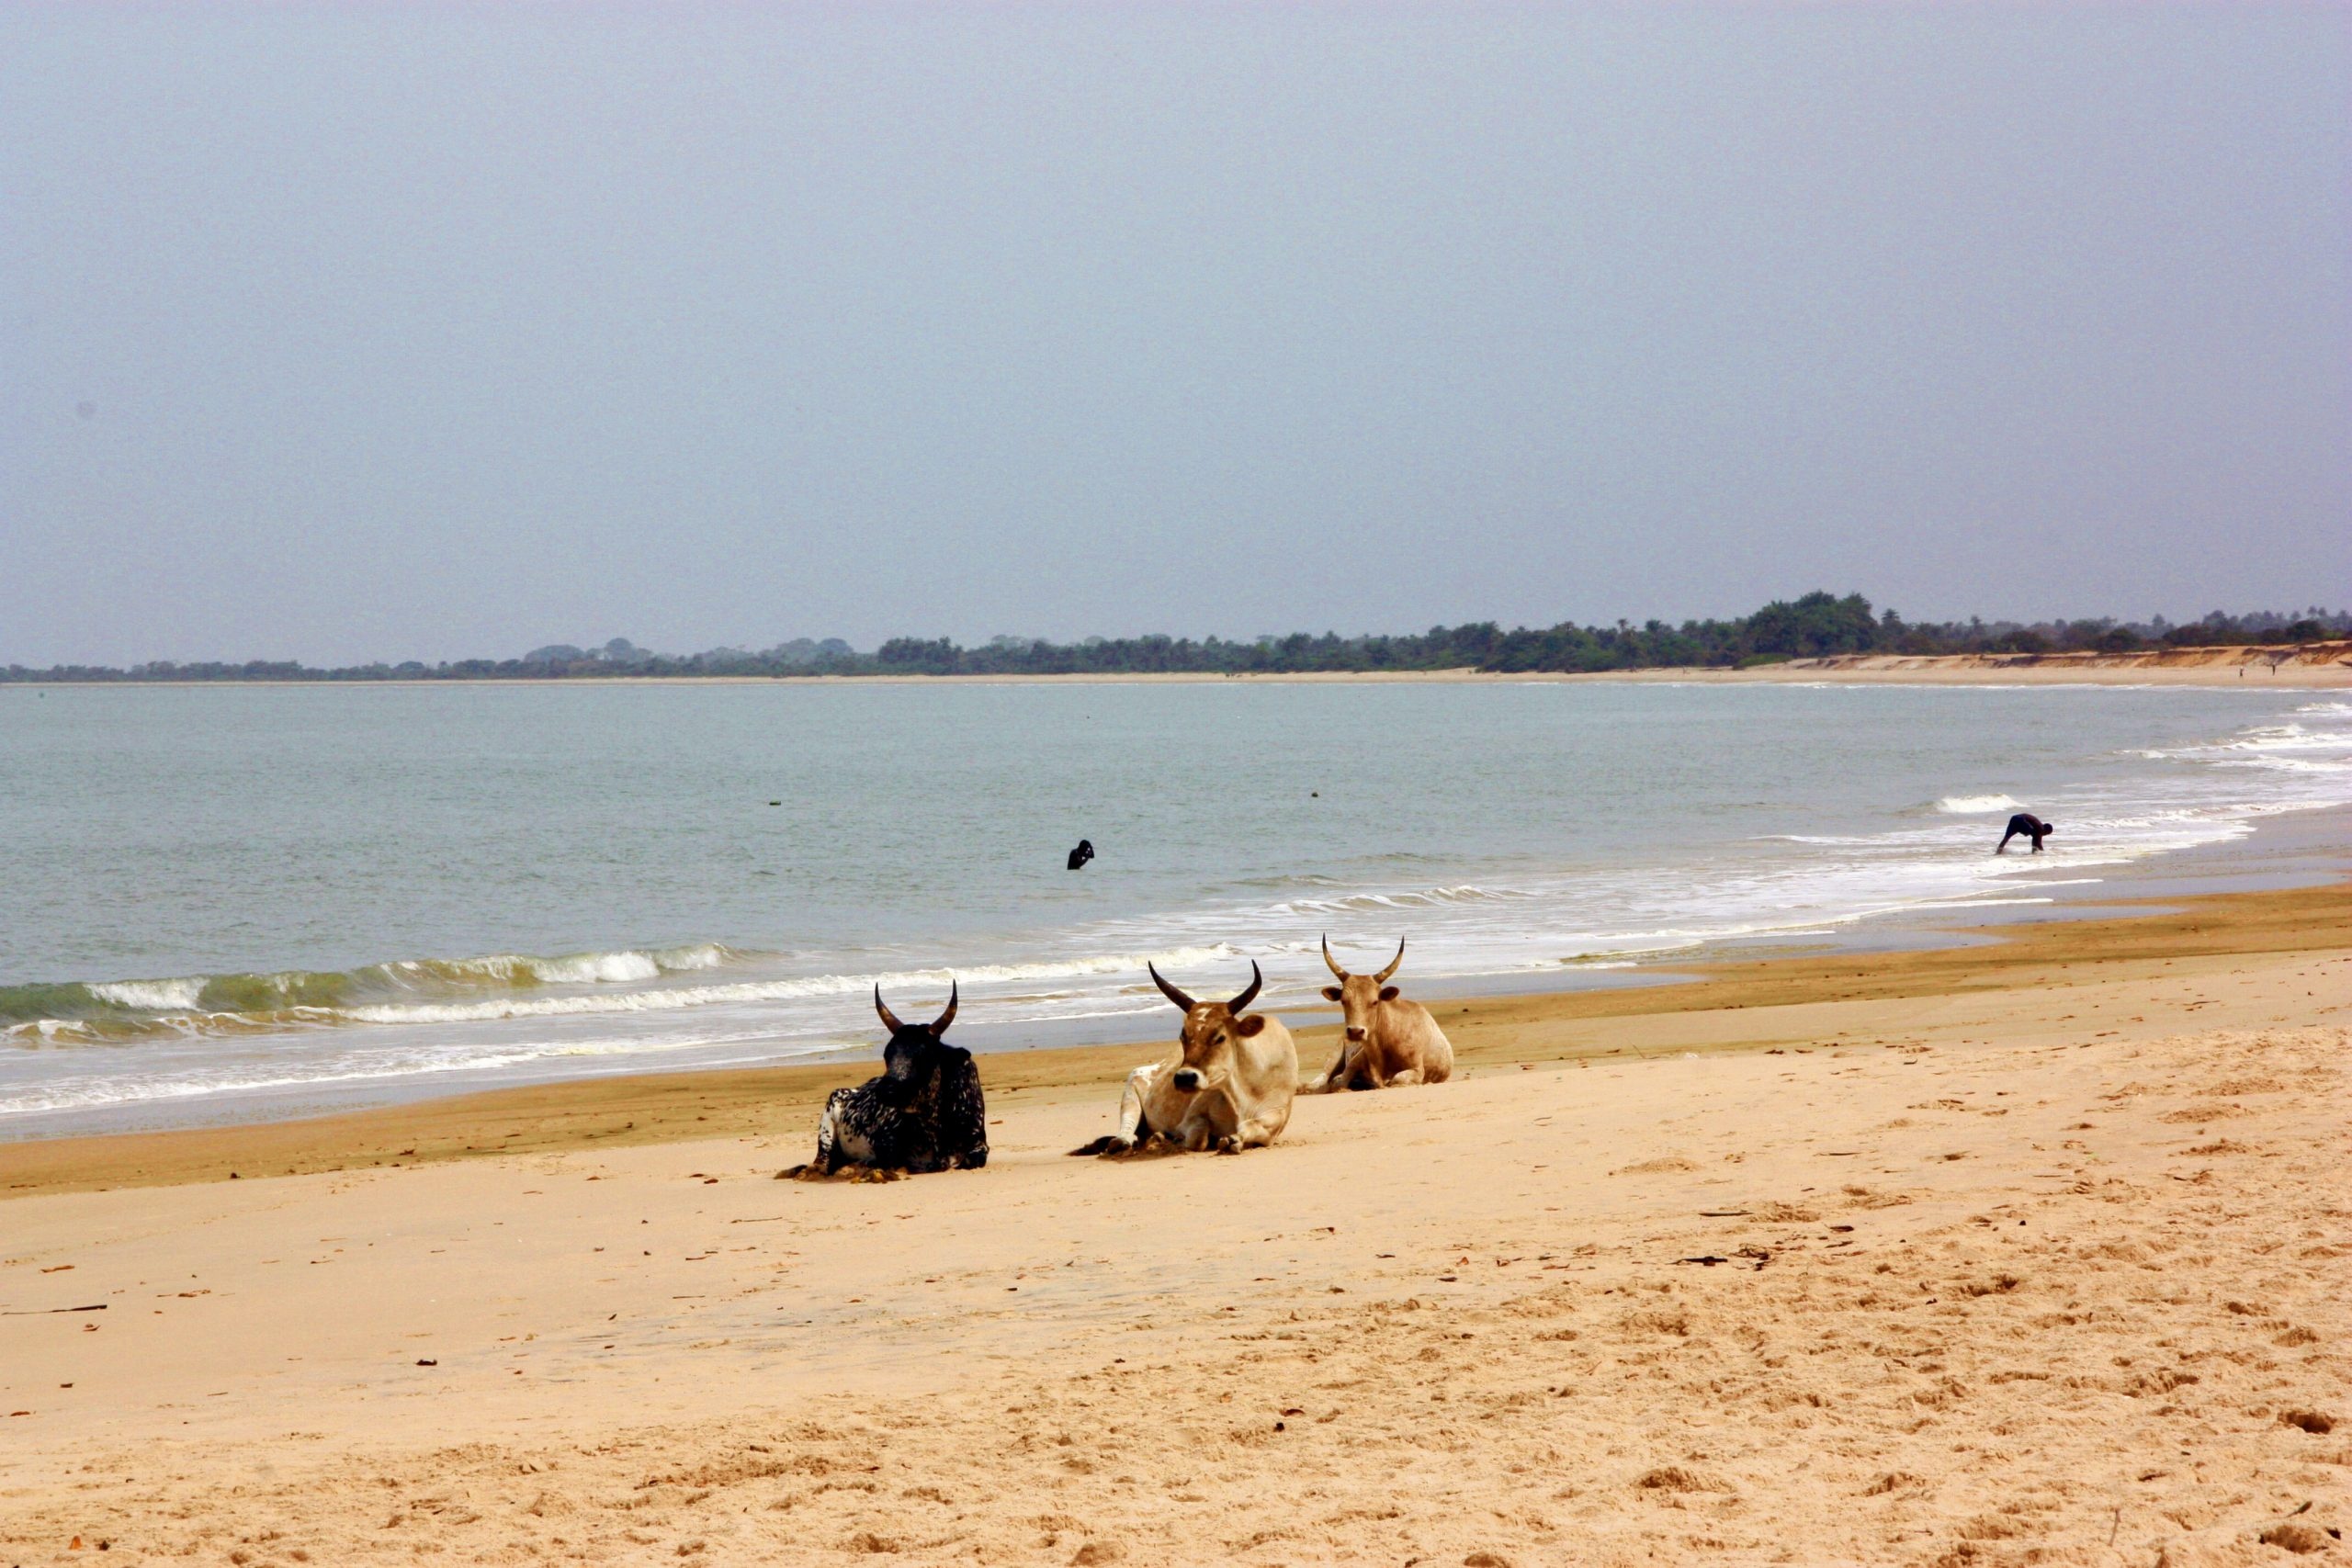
{"points": [[1080, 855], [2027, 826], [776, 803]]}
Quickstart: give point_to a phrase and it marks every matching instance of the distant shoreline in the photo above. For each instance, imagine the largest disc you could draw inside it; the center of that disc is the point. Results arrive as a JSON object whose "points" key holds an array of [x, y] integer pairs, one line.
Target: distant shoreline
{"points": [[2315, 666]]}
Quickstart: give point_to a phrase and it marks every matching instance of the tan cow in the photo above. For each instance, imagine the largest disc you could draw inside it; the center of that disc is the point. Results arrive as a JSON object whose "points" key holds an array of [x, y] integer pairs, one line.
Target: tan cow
{"points": [[1384, 1040], [1227, 1086]]}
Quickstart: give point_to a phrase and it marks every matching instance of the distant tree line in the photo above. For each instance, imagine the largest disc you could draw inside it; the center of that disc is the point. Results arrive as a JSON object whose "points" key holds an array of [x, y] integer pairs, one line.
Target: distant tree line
{"points": [[1811, 627]]}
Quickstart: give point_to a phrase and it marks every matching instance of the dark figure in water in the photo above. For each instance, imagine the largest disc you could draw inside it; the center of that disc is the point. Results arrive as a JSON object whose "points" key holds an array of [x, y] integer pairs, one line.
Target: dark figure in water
{"points": [[925, 1113], [1080, 855], [2025, 825]]}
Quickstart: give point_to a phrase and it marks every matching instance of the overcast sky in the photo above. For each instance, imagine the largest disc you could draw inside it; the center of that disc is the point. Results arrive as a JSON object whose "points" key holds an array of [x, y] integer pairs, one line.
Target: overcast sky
{"points": [[347, 333]]}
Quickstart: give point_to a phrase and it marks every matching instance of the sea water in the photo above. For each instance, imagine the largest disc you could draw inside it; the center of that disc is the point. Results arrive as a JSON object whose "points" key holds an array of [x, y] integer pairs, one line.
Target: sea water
{"points": [[221, 903]]}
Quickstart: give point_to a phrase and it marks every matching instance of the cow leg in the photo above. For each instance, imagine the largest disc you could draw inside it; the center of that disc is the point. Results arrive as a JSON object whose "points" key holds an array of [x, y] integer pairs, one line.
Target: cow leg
{"points": [[1252, 1134], [1135, 1117], [1135, 1124], [829, 1135], [1334, 1077], [1212, 1121], [1409, 1076]]}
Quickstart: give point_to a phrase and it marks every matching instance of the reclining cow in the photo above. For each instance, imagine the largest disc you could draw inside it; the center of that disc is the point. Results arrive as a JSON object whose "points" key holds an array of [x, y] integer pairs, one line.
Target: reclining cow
{"points": [[1227, 1086], [925, 1113], [1383, 1038]]}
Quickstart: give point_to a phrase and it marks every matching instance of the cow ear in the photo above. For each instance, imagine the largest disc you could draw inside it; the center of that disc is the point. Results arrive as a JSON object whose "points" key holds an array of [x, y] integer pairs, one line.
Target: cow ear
{"points": [[1390, 993], [1332, 992], [1248, 1026]]}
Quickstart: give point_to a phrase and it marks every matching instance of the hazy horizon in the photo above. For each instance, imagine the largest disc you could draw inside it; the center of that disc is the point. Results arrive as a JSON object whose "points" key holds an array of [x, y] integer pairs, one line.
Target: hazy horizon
{"points": [[806, 645], [344, 334]]}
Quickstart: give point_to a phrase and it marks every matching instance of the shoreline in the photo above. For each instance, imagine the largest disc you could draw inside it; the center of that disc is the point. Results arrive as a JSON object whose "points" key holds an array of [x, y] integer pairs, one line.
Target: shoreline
{"points": [[1722, 1006], [2312, 666], [69, 1095], [1867, 1260]]}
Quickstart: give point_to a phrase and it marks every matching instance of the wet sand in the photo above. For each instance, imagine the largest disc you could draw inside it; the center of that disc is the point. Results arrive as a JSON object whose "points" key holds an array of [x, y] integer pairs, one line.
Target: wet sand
{"points": [[2032, 1250]]}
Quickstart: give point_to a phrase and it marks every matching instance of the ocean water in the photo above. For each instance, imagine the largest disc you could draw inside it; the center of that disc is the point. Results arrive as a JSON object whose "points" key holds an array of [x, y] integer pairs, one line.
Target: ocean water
{"points": [[222, 903]]}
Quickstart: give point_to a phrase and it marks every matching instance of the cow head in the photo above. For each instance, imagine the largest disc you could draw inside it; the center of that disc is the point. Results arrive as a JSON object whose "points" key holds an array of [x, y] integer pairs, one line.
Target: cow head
{"points": [[1210, 1030], [1359, 993], [909, 1042]]}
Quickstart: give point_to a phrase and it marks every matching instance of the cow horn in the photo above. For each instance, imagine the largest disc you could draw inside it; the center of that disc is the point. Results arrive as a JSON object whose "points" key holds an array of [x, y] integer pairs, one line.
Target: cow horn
{"points": [[889, 1020], [1170, 992], [1249, 992], [940, 1025], [1382, 977], [1331, 960]]}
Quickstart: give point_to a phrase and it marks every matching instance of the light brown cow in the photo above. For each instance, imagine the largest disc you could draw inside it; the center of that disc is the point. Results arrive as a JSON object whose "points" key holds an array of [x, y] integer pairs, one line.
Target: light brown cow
{"points": [[1227, 1086], [1384, 1040]]}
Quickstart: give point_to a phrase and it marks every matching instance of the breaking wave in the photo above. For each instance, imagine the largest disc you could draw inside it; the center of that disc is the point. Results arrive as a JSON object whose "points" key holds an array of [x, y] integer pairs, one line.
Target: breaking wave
{"points": [[1408, 898], [125, 1008], [2286, 745], [1977, 804], [388, 994]]}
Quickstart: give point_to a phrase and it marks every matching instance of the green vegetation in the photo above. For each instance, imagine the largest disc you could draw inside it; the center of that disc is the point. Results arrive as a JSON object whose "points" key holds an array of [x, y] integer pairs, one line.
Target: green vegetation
{"points": [[1811, 627]]}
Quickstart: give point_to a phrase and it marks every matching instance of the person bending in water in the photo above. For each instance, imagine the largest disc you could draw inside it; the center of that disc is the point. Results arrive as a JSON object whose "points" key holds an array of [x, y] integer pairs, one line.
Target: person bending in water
{"points": [[2028, 826]]}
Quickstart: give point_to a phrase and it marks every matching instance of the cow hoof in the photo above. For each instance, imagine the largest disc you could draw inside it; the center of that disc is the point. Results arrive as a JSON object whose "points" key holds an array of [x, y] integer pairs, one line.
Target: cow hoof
{"points": [[1108, 1144], [1229, 1146], [842, 1173]]}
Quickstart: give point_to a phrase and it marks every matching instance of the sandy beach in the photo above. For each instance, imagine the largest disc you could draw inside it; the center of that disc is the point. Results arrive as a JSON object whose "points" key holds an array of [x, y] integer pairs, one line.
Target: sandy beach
{"points": [[2032, 1250], [2319, 666]]}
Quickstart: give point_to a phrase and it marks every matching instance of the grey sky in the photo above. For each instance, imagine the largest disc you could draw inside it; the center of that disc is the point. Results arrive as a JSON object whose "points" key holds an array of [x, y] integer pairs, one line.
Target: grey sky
{"points": [[385, 331]]}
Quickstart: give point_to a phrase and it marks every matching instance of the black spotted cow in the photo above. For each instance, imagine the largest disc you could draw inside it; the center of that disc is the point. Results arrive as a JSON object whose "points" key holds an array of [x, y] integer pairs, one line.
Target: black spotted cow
{"points": [[925, 1113]]}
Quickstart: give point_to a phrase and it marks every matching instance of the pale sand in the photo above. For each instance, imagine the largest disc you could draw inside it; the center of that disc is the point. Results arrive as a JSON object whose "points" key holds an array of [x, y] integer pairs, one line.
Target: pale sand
{"points": [[2097, 1258], [2311, 667]]}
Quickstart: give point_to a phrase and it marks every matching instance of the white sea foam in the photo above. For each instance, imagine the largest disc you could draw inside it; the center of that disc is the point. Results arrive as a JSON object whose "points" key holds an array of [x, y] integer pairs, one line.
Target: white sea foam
{"points": [[675, 997], [669, 998], [1405, 898], [156, 994], [599, 968], [1977, 804], [625, 966], [83, 1093]]}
